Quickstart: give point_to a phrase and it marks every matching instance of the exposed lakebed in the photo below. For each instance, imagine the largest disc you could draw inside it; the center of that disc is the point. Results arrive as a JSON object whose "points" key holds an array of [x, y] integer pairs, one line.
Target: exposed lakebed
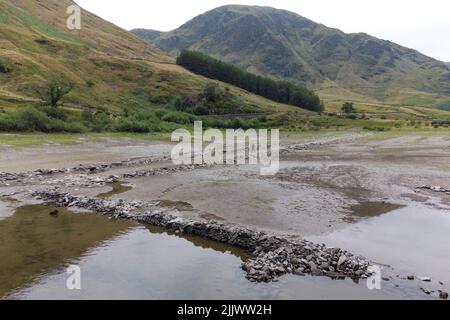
{"points": [[345, 196]]}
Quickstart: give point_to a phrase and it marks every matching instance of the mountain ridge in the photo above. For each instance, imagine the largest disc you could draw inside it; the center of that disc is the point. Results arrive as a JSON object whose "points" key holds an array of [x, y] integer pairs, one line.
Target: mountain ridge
{"points": [[287, 46], [111, 68]]}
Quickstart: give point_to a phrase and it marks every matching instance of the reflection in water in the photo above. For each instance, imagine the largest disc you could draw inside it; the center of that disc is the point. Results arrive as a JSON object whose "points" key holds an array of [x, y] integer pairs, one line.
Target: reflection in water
{"points": [[123, 260], [412, 239], [145, 265], [179, 205], [204, 243], [117, 188], [33, 242], [41, 240], [367, 209]]}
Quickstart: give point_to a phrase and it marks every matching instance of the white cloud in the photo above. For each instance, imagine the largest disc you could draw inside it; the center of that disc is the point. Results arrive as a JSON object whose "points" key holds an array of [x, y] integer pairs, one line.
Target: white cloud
{"points": [[419, 24]]}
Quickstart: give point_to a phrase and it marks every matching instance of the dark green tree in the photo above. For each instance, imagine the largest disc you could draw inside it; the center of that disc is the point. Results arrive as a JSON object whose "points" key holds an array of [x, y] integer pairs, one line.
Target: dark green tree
{"points": [[212, 92], [348, 108], [53, 91], [280, 91], [4, 67]]}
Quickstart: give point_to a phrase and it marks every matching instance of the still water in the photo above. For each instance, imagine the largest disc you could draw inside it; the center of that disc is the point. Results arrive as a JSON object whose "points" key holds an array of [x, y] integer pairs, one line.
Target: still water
{"points": [[123, 260]]}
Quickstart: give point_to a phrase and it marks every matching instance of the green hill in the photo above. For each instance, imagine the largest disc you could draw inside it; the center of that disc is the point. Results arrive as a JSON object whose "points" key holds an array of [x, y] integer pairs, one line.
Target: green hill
{"points": [[122, 83], [285, 45], [110, 67], [281, 91]]}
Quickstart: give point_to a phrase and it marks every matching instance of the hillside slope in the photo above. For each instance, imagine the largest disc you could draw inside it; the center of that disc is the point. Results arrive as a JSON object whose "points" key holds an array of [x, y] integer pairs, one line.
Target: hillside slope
{"points": [[110, 67], [285, 45]]}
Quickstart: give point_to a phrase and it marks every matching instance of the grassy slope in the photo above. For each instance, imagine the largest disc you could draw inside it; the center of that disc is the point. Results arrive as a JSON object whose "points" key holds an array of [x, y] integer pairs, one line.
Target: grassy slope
{"points": [[339, 66], [125, 70]]}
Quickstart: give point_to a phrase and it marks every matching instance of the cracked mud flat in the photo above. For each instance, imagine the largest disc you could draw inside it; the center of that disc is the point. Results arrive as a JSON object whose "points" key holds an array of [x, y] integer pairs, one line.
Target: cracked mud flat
{"points": [[325, 193]]}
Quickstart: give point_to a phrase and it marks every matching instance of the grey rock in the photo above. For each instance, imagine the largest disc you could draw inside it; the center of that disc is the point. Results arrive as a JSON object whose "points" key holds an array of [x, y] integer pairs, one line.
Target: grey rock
{"points": [[299, 272], [426, 290], [425, 279], [341, 260]]}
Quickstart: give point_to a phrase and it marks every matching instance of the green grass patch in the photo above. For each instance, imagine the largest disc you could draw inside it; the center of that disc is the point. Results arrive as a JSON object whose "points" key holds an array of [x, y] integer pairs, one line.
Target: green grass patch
{"points": [[29, 20], [37, 139], [444, 105], [417, 101]]}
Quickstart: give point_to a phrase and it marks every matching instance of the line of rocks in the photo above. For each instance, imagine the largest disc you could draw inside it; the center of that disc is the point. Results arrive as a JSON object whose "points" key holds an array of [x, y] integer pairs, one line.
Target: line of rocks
{"points": [[6, 177], [435, 189], [163, 171], [142, 161], [98, 168], [273, 255], [320, 142], [82, 168], [86, 174], [90, 180]]}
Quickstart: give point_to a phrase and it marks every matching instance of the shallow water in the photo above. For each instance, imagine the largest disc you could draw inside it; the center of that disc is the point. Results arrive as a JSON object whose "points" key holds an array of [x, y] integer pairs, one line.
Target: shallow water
{"points": [[413, 240], [123, 260], [33, 243], [367, 209], [147, 264], [116, 189]]}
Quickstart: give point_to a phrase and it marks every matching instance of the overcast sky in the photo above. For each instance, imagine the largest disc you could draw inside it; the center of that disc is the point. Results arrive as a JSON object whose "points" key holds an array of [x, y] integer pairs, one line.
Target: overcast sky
{"points": [[420, 24]]}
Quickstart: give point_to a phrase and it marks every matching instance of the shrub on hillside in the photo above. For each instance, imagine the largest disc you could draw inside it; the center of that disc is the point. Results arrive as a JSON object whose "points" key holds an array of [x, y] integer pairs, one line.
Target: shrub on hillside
{"points": [[201, 110], [160, 113], [440, 123], [129, 125], [348, 108], [180, 118], [184, 103], [34, 119], [212, 92], [100, 122], [90, 83], [53, 91], [160, 98], [26, 120], [54, 113], [4, 67]]}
